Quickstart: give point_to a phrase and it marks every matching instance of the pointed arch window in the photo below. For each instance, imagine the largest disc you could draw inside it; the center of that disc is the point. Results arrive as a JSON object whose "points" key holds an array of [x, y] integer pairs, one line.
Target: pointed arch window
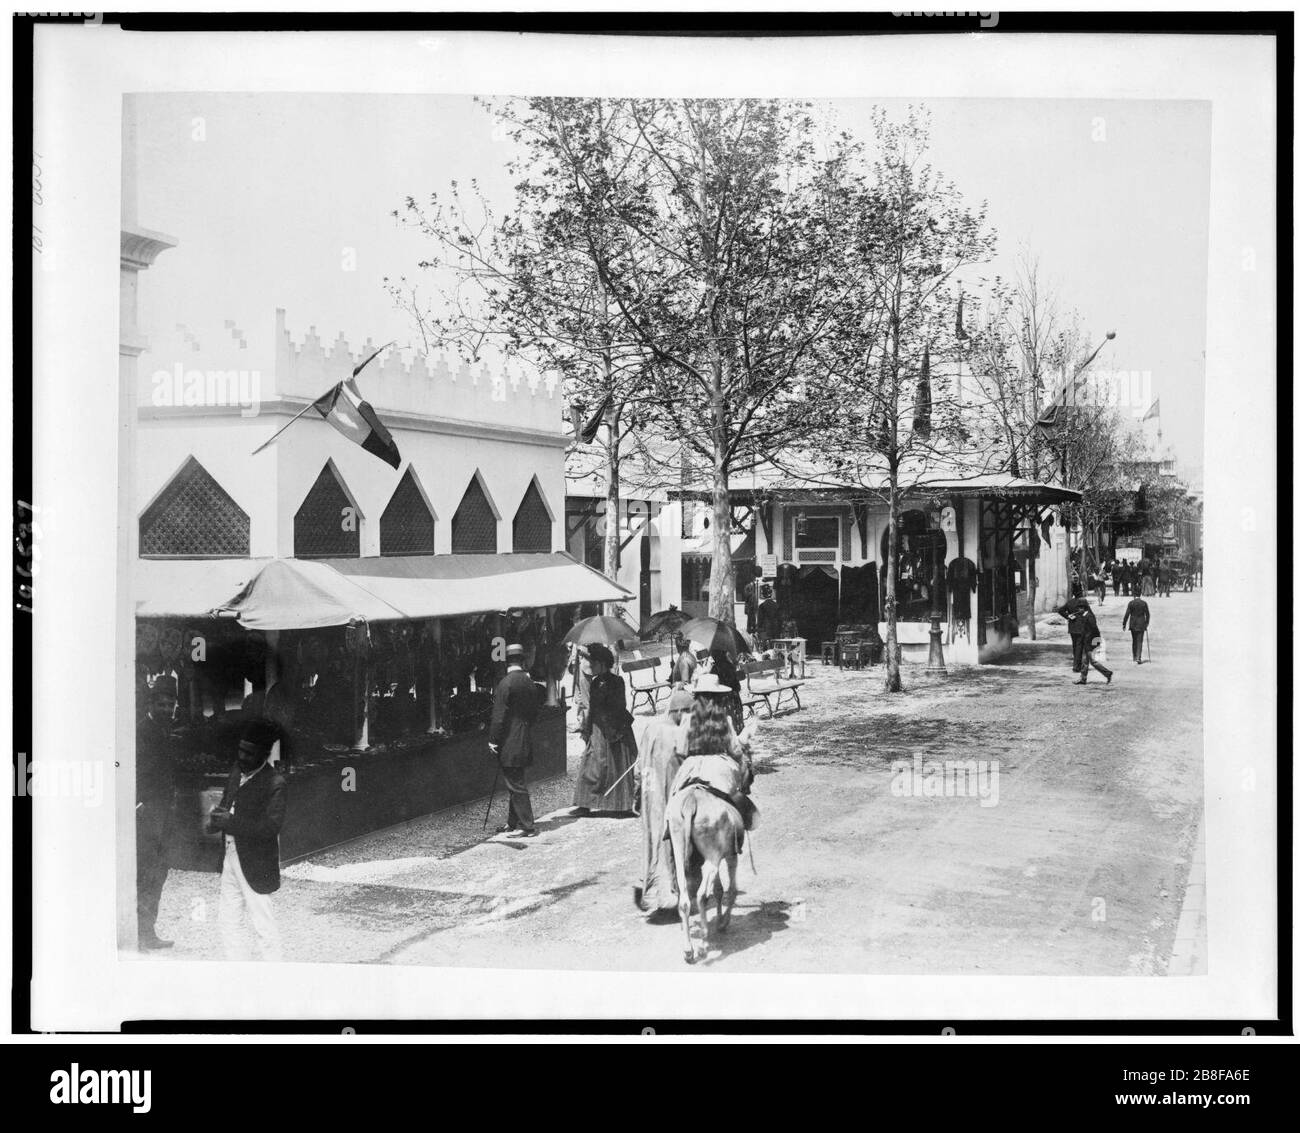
{"points": [[194, 517], [328, 523], [532, 523], [474, 526], [406, 527]]}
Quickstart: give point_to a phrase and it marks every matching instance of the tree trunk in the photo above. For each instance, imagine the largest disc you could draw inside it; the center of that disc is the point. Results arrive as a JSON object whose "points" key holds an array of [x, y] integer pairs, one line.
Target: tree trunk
{"points": [[722, 575], [612, 487], [893, 674]]}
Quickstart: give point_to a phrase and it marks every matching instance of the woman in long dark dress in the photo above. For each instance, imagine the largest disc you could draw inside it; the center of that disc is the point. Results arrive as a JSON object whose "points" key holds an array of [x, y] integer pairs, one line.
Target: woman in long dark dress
{"points": [[611, 748], [724, 668]]}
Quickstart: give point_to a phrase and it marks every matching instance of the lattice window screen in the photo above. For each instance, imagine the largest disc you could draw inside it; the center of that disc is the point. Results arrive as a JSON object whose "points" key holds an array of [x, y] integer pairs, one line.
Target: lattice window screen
{"points": [[406, 527], [320, 528], [474, 526], [787, 550], [194, 517], [532, 525]]}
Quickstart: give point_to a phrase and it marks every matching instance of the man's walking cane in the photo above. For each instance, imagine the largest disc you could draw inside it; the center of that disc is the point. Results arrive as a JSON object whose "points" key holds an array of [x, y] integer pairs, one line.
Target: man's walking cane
{"points": [[1147, 635]]}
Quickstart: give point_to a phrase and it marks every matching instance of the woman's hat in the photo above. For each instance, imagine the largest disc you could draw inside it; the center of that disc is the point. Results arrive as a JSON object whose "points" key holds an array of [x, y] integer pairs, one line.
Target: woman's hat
{"points": [[709, 685], [598, 652]]}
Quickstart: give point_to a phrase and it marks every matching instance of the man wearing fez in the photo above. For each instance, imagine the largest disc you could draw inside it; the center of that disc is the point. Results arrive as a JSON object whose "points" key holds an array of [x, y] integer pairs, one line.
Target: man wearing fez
{"points": [[154, 795], [249, 818], [515, 706]]}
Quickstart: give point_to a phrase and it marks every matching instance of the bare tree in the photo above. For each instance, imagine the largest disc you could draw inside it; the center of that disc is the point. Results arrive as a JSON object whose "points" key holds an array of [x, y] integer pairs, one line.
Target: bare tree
{"points": [[527, 284], [900, 417]]}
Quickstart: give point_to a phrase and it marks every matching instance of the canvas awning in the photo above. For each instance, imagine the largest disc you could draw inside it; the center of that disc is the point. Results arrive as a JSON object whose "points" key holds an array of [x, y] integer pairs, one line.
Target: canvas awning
{"points": [[310, 593], [188, 588], [304, 594], [440, 586]]}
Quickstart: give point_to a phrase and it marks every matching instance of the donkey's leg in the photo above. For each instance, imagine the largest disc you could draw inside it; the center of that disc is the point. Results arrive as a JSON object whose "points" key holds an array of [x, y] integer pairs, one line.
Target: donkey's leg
{"points": [[729, 880], [681, 844], [719, 883], [707, 883]]}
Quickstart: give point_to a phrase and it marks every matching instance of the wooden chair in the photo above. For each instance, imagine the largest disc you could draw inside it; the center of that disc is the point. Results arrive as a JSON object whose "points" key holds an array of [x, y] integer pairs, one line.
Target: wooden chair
{"points": [[830, 653], [650, 691], [851, 655]]}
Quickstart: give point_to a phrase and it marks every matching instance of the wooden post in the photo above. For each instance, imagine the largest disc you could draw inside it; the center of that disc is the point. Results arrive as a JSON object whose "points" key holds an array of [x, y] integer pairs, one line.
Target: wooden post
{"points": [[433, 640], [361, 685]]}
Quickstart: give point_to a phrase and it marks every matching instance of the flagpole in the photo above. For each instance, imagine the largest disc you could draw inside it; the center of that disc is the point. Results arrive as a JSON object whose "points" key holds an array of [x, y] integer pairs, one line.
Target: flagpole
{"points": [[282, 428], [309, 405]]}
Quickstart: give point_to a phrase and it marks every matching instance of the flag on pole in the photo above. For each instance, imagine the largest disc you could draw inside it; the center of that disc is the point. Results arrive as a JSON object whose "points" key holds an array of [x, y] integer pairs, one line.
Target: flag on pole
{"points": [[594, 422], [921, 417], [1154, 411], [354, 417]]}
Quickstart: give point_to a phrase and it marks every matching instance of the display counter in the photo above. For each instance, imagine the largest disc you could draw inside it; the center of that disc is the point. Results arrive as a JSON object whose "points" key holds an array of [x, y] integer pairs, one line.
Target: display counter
{"points": [[338, 796]]}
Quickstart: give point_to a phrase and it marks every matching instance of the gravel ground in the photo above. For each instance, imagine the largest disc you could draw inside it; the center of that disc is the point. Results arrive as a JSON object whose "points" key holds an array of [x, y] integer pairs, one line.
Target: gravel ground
{"points": [[1079, 868]]}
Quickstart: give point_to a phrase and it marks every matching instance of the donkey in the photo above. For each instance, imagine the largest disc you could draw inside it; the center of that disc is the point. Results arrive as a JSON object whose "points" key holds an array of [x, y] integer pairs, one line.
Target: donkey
{"points": [[700, 820]]}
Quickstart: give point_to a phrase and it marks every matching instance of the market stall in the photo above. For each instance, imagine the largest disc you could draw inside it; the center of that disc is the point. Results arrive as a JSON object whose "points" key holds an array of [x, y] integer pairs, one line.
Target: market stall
{"points": [[379, 672]]}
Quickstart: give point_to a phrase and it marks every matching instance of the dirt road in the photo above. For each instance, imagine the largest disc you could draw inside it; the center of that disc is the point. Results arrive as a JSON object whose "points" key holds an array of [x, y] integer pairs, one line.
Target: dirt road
{"points": [[1074, 862]]}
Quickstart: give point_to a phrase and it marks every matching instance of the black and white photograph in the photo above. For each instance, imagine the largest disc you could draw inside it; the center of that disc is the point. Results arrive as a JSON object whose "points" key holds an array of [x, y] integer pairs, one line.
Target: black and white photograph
{"points": [[622, 521]]}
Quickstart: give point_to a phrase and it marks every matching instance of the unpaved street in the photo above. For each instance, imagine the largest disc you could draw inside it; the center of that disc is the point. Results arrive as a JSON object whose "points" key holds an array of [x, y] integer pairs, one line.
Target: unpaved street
{"points": [[1079, 868]]}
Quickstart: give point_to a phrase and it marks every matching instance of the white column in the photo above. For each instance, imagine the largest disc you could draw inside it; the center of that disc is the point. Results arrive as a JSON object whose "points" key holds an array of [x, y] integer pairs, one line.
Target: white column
{"points": [[139, 248]]}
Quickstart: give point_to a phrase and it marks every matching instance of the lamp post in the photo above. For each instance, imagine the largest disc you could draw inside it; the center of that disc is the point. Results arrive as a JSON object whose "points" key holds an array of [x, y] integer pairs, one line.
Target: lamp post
{"points": [[935, 663]]}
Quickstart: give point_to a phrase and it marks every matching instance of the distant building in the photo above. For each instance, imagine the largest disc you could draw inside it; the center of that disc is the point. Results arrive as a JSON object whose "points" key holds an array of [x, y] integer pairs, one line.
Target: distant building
{"points": [[822, 551]]}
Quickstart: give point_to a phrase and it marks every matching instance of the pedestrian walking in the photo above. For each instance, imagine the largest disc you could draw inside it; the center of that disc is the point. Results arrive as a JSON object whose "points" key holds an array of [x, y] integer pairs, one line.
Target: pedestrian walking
{"points": [[1164, 578], [1091, 639], [1072, 611], [1137, 617], [155, 789], [515, 705], [604, 780], [249, 817], [663, 745], [1101, 580], [1146, 574]]}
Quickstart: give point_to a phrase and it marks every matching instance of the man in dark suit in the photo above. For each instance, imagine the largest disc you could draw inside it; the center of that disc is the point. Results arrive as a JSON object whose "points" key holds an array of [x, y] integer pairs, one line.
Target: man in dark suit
{"points": [[154, 796], [249, 817], [1073, 612], [1137, 617], [515, 706], [1091, 639]]}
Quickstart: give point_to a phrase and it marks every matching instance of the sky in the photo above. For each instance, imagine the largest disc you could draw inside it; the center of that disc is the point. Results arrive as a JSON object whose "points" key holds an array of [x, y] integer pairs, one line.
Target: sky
{"points": [[287, 200]]}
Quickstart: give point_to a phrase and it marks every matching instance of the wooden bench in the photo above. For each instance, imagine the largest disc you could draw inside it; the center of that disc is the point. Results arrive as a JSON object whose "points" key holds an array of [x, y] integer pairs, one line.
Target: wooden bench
{"points": [[649, 691], [764, 692]]}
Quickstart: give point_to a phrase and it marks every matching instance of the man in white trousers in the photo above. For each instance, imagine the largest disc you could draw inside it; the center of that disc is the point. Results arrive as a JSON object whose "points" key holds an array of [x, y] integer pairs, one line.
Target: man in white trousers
{"points": [[249, 817]]}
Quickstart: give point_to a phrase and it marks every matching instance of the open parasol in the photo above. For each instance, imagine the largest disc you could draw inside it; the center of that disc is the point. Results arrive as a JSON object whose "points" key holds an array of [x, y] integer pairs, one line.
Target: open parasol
{"points": [[709, 633], [603, 629], [667, 621]]}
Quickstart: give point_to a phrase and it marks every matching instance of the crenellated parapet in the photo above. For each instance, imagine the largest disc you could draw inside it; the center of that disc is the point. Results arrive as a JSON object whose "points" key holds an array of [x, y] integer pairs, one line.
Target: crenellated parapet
{"points": [[408, 382]]}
